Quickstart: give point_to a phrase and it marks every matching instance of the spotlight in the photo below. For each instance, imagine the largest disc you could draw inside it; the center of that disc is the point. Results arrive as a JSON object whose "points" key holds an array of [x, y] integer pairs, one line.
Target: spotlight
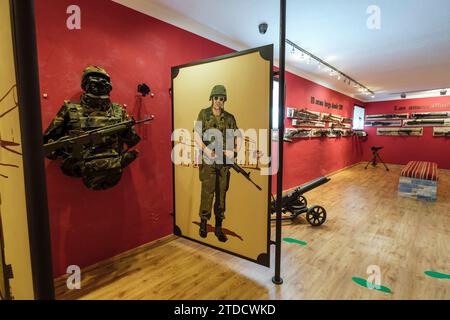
{"points": [[339, 77], [443, 92], [403, 95]]}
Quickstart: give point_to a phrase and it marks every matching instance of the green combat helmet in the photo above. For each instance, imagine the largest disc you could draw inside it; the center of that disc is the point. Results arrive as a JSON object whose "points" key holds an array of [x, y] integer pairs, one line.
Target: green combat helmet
{"points": [[218, 90], [97, 72]]}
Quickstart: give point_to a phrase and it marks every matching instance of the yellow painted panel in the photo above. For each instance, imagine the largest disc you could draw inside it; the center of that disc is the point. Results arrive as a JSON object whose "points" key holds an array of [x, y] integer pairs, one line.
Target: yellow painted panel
{"points": [[247, 80]]}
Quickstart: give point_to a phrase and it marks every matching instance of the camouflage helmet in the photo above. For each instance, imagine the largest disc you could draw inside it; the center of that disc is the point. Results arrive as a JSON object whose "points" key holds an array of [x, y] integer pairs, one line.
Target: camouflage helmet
{"points": [[218, 90], [94, 71]]}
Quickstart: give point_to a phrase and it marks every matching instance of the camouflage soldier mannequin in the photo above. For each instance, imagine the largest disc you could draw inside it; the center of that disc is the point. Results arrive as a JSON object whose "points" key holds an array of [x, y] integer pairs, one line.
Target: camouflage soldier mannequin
{"points": [[215, 174], [100, 166]]}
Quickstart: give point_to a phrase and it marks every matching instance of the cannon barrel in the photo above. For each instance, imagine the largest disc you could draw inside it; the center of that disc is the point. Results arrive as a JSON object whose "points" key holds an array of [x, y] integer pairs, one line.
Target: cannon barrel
{"points": [[311, 185]]}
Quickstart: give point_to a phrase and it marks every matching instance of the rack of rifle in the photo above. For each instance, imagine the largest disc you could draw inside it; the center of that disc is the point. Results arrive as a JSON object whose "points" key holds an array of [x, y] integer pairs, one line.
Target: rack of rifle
{"points": [[410, 124], [313, 124]]}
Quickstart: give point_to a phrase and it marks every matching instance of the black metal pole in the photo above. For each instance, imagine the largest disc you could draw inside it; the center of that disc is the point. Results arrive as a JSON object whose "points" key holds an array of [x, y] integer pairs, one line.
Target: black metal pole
{"points": [[25, 47], [277, 278]]}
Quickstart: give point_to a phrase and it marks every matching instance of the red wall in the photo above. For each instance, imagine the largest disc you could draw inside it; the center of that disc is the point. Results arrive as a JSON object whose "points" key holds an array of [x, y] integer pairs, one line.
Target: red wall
{"points": [[308, 159], [87, 226], [401, 150]]}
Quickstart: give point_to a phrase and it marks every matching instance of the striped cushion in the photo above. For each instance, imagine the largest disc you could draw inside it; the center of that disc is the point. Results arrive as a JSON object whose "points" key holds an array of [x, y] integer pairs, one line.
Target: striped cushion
{"points": [[421, 170]]}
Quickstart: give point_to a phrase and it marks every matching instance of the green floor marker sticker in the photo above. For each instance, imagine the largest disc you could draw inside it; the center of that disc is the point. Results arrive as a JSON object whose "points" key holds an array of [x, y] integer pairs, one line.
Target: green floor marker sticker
{"points": [[364, 283], [291, 240], [437, 275]]}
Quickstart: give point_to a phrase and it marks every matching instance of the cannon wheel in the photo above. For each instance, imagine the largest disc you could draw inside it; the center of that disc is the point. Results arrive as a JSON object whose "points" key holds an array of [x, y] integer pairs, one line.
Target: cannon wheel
{"points": [[302, 200], [316, 216]]}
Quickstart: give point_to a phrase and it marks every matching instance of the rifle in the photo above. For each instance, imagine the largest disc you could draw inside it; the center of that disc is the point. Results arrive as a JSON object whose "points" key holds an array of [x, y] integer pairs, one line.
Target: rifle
{"points": [[424, 122], [322, 133], [330, 117], [292, 133], [360, 133], [338, 125], [307, 123], [408, 132], [381, 123], [309, 113], [347, 120], [441, 133], [429, 115], [400, 131], [230, 162], [6, 272], [95, 136], [304, 114], [338, 133], [387, 116]]}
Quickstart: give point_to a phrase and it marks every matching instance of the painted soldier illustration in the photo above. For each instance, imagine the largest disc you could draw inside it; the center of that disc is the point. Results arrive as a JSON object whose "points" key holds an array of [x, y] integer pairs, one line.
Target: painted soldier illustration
{"points": [[99, 164], [214, 171]]}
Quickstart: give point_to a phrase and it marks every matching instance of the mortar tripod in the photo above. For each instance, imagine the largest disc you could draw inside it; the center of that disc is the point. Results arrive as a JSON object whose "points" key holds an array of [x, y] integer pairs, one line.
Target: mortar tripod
{"points": [[376, 156]]}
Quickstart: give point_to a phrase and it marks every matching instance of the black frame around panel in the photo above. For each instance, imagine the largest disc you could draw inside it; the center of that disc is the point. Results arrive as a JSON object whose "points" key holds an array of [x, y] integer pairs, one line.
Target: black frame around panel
{"points": [[266, 53], [27, 76]]}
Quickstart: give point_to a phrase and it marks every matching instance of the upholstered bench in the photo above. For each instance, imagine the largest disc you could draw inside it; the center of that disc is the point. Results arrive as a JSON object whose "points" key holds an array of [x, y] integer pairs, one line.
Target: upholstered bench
{"points": [[419, 180]]}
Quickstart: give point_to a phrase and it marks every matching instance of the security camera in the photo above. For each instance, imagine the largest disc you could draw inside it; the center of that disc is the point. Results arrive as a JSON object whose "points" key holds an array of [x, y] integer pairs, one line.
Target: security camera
{"points": [[403, 95], [263, 28], [443, 92]]}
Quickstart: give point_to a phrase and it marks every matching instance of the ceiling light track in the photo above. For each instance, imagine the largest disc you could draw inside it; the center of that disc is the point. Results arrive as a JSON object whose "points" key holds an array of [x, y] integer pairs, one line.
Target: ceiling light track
{"points": [[442, 90], [334, 71]]}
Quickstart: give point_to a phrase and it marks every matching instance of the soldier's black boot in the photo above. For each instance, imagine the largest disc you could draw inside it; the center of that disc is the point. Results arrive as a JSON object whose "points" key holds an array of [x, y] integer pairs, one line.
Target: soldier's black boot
{"points": [[219, 232], [203, 228]]}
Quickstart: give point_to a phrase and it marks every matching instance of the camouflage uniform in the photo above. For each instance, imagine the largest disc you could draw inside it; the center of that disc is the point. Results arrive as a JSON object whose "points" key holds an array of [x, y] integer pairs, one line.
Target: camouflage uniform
{"points": [[100, 166], [215, 177]]}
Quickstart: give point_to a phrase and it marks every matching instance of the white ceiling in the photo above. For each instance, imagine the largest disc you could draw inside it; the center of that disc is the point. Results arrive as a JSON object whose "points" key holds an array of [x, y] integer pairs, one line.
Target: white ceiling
{"points": [[410, 52]]}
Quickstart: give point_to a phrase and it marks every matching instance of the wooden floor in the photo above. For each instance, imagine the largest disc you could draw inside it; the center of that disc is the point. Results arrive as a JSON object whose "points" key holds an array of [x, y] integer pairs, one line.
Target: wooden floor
{"points": [[368, 224]]}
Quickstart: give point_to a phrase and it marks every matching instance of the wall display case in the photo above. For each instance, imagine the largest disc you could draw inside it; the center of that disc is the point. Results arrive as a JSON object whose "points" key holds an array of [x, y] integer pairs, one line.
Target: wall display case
{"points": [[405, 132]]}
